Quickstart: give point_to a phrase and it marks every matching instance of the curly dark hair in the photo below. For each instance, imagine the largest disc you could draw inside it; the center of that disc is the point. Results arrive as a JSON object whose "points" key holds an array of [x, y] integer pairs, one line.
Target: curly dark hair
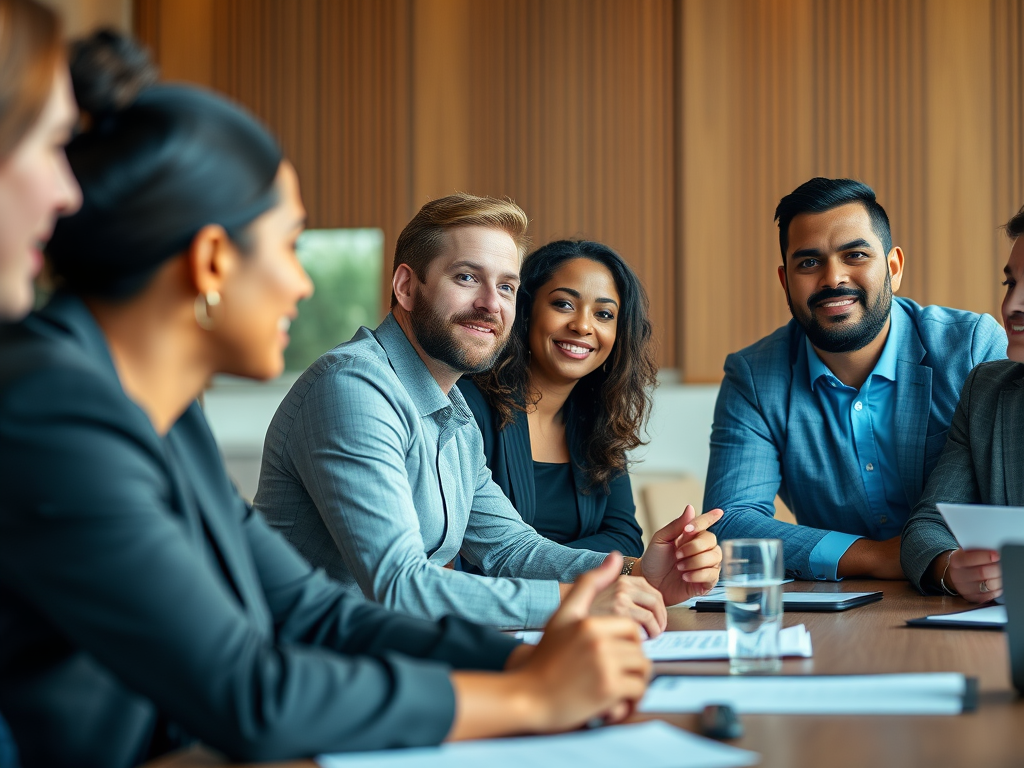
{"points": [[610, 405]]}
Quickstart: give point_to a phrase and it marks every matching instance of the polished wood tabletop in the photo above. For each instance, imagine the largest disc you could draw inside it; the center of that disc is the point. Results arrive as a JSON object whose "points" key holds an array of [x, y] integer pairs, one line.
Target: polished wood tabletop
{"points": [[871, 639]]}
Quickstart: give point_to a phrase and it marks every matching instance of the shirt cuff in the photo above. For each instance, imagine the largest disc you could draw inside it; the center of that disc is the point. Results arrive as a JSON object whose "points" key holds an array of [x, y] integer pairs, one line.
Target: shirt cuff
{"points": [[824, 558]]}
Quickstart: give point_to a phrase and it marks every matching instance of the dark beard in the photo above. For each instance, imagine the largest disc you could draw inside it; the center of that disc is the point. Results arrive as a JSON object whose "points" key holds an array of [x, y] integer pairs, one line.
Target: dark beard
{"points": [[839, 336], [436, 336]]}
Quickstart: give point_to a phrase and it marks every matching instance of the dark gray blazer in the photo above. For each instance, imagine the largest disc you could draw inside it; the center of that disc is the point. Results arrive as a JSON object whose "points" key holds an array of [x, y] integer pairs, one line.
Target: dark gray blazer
{"points": [[983, 462], [140, 597]]}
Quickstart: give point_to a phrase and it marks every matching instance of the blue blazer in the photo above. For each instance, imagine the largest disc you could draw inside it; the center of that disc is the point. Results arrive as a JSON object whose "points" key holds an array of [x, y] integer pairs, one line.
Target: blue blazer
{"points": [[769, 431], [607, 520], [140, 597]]}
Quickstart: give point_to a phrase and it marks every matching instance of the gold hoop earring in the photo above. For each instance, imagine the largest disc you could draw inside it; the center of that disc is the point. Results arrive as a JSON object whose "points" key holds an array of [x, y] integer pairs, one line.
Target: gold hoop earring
{"points": [[201, 307]]}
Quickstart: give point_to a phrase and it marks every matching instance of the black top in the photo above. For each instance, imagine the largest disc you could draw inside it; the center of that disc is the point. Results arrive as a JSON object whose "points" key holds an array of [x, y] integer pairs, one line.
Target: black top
{"points": [[607, 518], [557, 517], [137, 589]]}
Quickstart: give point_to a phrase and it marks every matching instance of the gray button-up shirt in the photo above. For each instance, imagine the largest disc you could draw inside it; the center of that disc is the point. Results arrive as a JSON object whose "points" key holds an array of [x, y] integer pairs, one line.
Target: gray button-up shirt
{"points": [[376, 475]]}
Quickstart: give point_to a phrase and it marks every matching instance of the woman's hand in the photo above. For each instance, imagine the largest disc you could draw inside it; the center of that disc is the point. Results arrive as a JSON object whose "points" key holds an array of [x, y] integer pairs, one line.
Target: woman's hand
{"points": [[584, 667], [974, 573], [683, 559], [634, 598]]}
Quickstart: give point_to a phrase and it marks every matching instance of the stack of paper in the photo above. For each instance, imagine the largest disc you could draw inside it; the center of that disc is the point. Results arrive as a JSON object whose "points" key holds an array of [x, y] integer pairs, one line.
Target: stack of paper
{"points": [[936, 693], [705, 645], [652, 745]]}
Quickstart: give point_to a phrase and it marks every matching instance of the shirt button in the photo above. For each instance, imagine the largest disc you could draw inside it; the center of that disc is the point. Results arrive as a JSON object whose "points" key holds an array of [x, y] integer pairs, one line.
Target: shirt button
{"points": [[883, 519], [831, 383], [858, 406], [870, 467]]}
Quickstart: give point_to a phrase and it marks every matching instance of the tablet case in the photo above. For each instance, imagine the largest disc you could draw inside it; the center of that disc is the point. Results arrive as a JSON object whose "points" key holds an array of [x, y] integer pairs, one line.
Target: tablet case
{"points": [[1012, 559], [717, 605]]}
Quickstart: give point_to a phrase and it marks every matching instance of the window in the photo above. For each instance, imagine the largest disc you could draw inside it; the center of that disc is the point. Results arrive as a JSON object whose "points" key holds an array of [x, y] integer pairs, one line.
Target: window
{"points": [[345, 266]]}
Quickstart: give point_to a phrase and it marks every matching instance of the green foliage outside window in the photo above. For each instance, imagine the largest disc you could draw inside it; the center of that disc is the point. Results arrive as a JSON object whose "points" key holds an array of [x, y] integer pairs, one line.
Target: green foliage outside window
{"points": [[345, 265]]}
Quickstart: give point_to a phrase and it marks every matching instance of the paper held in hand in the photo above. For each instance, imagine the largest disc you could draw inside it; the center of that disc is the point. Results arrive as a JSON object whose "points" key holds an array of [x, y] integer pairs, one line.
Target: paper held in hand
{"points": [[982, 526], [705, 645]]}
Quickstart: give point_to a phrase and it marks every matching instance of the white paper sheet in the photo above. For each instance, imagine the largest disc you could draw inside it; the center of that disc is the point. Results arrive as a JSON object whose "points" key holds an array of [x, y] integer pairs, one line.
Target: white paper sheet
{"points": [[989, 616], [938, 693], [980, 526], [704, 645], [653, 744]]}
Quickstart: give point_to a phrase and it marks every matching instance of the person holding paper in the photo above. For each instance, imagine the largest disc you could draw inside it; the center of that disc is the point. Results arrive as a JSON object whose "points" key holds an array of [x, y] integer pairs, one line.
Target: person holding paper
{"points": [[983, 461], [144, 604], [374, 467], [842, 412]]}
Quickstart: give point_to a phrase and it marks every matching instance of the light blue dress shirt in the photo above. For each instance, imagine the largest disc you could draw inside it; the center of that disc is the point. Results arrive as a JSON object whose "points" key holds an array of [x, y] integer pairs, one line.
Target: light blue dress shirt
{"points": [[378, 476], [865, 420]]}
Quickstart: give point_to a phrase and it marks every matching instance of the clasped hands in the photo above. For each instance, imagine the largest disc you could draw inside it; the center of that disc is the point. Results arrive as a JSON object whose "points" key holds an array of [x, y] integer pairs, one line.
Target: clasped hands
{"points": [[682, 561]]}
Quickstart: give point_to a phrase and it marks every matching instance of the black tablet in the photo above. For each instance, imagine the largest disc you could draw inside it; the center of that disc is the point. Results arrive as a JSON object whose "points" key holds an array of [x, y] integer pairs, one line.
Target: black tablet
{"points": [[804, 602]]}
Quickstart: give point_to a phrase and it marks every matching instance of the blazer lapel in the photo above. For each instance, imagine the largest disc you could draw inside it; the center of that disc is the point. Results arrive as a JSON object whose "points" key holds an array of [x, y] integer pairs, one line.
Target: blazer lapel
{"points": [[515, 440], [208, 496], [913, 409], [1011, 406], [585, 502]]}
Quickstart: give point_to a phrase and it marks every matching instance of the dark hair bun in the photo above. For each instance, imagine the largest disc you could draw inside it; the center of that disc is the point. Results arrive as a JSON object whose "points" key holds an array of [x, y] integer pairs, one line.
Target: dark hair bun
{"points": [[174, 160], [108, 70]]}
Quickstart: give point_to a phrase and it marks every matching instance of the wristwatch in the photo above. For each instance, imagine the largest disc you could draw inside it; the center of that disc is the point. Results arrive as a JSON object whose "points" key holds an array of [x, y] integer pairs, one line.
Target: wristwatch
{"points": [[627, 566]]}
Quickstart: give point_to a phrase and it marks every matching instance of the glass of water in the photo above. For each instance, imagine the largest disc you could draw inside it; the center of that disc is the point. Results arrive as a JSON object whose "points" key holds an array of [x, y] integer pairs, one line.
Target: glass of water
{"points": [[752, 576]]}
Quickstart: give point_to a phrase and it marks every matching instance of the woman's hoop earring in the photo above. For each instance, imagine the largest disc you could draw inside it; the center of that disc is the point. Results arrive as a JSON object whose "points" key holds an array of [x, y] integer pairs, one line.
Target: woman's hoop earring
{"points": [[201, 307]]}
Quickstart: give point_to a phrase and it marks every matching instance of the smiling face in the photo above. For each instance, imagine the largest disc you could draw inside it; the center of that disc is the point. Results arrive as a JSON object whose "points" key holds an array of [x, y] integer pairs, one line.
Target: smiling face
{"points": [[573, 322], [838, 279], [36, 186], [1013, 302], [259, 299], [461, 314]]}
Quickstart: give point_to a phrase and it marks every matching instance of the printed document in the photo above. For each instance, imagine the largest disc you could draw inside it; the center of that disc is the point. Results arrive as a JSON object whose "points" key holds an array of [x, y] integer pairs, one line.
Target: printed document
{"points": [[653, 744], [704, 645]]}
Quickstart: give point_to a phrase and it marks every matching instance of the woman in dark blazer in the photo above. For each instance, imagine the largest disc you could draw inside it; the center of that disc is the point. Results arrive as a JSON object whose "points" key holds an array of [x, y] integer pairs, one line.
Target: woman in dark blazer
{"points": [[983, 461], [143, 603], [37, 114], [569, 395]]}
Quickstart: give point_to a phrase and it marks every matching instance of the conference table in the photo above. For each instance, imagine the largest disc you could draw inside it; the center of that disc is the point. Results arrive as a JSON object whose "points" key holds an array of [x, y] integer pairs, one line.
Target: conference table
{"points": [[870, 639]]}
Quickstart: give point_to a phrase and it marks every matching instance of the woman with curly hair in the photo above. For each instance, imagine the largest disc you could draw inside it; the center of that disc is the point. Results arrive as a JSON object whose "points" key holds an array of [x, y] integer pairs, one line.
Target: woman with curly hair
{"points": [[569, 395]]}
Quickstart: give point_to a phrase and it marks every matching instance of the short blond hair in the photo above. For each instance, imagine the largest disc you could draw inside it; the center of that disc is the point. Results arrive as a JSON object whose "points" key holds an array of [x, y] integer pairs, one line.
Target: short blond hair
{"points": [[421, 240]]}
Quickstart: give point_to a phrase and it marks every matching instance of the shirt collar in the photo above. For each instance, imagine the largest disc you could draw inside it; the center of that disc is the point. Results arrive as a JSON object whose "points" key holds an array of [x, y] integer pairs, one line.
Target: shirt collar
{"points": [[886, 365], [414, 374]]}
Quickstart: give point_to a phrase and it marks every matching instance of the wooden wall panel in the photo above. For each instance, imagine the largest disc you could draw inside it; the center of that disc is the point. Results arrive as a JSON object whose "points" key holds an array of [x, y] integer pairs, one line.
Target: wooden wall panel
{"points": [[921, 99], [567, 107], [666, 128]]}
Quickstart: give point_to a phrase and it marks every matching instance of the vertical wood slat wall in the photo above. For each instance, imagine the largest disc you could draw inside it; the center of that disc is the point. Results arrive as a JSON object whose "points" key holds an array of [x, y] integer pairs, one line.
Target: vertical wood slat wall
{"points": [[666, 128]]}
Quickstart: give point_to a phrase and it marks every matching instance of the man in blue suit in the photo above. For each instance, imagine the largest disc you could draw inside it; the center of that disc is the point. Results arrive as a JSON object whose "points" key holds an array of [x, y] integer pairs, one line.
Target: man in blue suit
{"points": [[843, 411]]}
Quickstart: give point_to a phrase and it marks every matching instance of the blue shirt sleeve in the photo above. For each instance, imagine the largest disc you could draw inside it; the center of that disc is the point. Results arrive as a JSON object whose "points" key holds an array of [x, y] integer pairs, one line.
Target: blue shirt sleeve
{"points": [[825, 557]]}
